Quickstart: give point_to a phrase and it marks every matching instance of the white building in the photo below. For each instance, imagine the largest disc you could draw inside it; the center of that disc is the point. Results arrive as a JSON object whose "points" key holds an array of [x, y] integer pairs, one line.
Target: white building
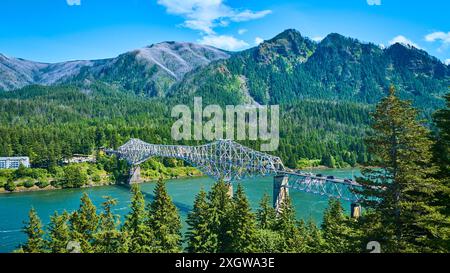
{"points": [[14, 162]]}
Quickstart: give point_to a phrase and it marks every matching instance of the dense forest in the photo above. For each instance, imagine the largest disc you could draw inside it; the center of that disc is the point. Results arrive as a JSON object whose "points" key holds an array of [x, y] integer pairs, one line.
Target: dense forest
{"points": [[52, 123], [405, 200]]}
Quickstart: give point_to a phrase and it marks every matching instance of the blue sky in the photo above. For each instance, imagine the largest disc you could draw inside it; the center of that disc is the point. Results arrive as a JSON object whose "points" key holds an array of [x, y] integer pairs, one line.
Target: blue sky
{"points": [[60, 30]]}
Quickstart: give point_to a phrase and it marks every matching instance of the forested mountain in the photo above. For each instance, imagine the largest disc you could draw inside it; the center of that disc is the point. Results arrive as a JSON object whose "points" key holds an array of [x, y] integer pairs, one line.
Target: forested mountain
{"points": [[51, 123], [150, 70], [325, 91], [291, 67]]}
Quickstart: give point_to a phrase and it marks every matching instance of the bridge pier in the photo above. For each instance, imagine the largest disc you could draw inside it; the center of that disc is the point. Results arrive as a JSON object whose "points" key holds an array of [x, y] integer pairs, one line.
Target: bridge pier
{"points": [[230, 189], [135, 175], [280, 191], [355, 210]]}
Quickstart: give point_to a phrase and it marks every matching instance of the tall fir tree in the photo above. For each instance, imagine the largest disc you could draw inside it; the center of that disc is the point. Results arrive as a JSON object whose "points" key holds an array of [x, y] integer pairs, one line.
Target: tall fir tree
{"points": [[336, 229], [59, 232], [84, 223], [441, 148], [200, 238], [35, 235], [108, 239], [401, 191], [288, 227], [220, 207], [164, 221], [314, 238], [243, 224], [441, 156], [140, 237], [266, 215]]}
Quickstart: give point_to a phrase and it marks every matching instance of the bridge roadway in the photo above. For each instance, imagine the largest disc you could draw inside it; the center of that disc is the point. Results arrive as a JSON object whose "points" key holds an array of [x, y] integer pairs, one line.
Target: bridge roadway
{"points": [[231, 161]]}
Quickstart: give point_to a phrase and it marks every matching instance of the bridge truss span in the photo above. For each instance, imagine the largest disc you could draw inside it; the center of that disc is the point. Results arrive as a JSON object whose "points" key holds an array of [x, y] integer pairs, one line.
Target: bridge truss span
{"points": [[231, 161], [334, 188], [224, 159]]}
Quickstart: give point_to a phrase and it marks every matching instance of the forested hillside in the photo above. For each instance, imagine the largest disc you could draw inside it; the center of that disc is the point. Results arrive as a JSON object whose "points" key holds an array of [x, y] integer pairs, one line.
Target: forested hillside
{"points": [[50, 123], [291, 67], [325, 91]]}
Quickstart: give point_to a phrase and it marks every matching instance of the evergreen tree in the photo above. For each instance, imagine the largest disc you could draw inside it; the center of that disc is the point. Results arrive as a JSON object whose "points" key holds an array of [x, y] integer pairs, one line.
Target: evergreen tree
{"points": [[401, 191], [108, 239], [441, 156], [84, 223], [288, 227], [220, 207], [314, 238], [59, 233], [268, 241], [33, 229], [139, 235], [164, 221], [200, 238], [335, 228], [266, 215], [243, 224]]}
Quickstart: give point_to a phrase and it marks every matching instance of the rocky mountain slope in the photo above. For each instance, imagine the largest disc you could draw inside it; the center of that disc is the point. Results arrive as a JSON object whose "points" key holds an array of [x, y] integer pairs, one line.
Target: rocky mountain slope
{"points": [[149, 70], [291, 67]]}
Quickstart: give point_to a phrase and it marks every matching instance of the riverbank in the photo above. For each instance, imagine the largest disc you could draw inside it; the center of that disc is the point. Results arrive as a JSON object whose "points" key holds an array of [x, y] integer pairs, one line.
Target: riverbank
{"points": [[30, 184]]}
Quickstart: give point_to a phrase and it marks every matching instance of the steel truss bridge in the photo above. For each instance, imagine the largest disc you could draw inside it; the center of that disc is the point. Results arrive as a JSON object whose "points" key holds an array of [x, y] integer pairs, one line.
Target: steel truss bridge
{"points": [[231, 161]]}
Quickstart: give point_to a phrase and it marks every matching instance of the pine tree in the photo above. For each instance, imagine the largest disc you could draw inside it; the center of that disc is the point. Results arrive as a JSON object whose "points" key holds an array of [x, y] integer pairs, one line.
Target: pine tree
{"points": [[164, 221], [265, 214], [269, 241], [59, 233], [140, 237], [288, 227], [200, 238], [314, 238], [335, 228], [33, 229], [220, 208], [84, 223], [441, 156], [108, 239], [243, 224], [402, 189]]}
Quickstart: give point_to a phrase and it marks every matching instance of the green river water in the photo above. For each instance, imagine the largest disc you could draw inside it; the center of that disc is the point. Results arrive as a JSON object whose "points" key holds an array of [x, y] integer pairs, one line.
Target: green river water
{"points": [[14, 207]]}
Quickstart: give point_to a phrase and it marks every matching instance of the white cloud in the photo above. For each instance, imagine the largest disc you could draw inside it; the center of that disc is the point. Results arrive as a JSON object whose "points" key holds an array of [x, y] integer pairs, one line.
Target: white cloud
{"points": [[382, 46], [258, 40], [403, 40], [447, 62], [442, 37], [242, 31], [205, 15], [223, 41], [73, 2], [374, 2], [438, 36], [317, 38]]}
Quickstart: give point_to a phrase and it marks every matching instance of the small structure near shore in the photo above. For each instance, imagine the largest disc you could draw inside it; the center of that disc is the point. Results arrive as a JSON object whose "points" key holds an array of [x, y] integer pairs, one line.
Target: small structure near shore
{"points": [[77, 158], [14, 162]]}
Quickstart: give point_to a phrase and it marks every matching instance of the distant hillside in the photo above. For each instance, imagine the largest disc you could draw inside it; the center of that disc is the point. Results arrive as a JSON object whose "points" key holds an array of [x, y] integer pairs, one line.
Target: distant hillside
{"points": [[150, 70], [291, 67]]}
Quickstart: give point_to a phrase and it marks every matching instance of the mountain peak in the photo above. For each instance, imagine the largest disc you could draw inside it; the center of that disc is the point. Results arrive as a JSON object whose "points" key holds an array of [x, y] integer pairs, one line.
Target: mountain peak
{"points": [[289, 43]]}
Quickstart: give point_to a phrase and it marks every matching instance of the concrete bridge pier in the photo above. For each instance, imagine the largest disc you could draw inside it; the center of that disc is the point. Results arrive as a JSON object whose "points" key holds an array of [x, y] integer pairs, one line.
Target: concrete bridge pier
{"points": [[280, 191], [355, 210], [135, 175], [230, 189]]}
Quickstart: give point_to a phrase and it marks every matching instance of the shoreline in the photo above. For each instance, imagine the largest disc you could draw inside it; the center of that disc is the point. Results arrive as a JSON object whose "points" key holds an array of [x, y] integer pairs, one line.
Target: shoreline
{"points": [[51, 188]]}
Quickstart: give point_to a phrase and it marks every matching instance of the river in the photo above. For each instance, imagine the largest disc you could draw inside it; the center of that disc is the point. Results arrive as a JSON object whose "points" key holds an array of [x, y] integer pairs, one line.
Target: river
{"points": [[14, 207]]}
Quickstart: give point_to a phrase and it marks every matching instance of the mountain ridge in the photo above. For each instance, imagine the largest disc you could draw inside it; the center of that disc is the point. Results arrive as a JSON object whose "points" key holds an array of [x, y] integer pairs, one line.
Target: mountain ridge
{"points": [[16, 72], [282, 69]]}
